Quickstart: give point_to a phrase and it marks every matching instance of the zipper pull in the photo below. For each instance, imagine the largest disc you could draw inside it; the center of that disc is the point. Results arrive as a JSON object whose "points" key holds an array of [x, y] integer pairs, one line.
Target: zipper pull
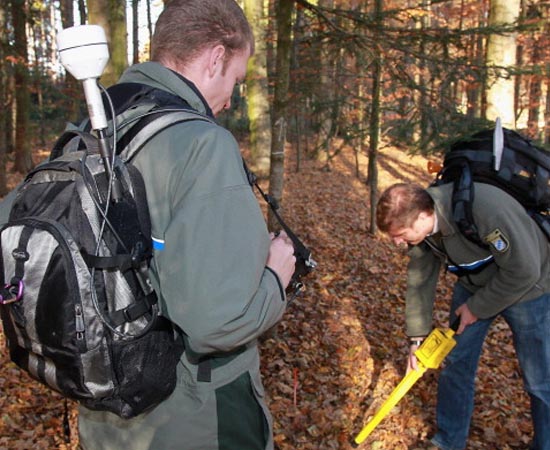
{"points": [[79, 325]]}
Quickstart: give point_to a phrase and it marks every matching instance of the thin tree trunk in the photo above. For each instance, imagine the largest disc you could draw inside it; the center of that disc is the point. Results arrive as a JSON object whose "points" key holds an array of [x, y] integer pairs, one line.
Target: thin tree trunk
{"points": [[299, 108], [82, 11], [518, 79], [334, 106], [374, 122], [501, 55], [279, 119], [149, 24], [324, 94], [535, 94], [135, 30], [257, 90], [11, 116], [360, 64], [540, 56], [547, 111], [72, 88], [23, 155], [424, 100], [3, 99], [38, 38]]}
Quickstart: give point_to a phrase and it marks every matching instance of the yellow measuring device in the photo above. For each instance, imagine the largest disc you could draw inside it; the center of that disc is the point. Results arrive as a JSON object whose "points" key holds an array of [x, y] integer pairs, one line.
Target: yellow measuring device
{"points": [[429, 355]]}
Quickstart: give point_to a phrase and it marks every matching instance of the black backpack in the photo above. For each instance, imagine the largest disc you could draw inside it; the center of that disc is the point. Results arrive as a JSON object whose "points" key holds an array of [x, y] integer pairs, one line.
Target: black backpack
{"points": [[78, 310], [503, 158]]}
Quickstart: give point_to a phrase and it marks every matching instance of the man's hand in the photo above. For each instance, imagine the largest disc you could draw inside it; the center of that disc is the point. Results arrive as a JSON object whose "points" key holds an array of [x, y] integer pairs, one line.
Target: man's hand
{"points": [[466, 317], [281, 257], [411, 360]]}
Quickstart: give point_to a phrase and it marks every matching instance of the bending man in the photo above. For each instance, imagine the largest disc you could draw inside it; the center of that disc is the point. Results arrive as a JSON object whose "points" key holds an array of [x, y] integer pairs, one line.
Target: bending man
{"points": [[510, 277]]}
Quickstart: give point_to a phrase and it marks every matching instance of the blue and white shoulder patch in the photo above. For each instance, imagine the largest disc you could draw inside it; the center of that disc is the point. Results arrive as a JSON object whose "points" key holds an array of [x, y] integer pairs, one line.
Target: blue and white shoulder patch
{"points": [[497, 240]]}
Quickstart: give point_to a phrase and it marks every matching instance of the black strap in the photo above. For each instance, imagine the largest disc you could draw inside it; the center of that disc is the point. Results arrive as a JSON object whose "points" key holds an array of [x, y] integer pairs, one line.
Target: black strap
{"points": [[21, 255], [210, 361], [204, 370], [133, 311], [299, 247], [66, 423], [122, 262], [304, 262], [460, 271]]}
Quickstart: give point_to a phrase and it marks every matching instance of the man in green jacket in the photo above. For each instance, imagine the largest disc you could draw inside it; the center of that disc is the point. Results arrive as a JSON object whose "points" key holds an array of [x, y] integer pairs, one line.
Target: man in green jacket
{"points": [[219, 274], [510, 277]]}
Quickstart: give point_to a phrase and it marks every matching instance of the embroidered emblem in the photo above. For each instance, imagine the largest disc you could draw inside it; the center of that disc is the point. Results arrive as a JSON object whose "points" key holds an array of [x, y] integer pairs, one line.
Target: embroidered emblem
{"points": [[497, 240]]}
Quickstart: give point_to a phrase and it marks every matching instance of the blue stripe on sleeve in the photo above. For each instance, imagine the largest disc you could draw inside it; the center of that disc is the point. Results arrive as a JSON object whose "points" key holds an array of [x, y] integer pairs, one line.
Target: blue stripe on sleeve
{"points": [[158, 244]]}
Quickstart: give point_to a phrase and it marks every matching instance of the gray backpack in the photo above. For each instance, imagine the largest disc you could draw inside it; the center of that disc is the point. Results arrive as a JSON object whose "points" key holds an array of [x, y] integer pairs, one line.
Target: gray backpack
{"points": [[78, 310]]}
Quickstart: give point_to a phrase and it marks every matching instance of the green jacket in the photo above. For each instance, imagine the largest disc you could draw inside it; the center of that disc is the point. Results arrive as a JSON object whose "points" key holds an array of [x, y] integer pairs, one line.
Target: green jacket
{"points": [[209, 271], [521, 252]]}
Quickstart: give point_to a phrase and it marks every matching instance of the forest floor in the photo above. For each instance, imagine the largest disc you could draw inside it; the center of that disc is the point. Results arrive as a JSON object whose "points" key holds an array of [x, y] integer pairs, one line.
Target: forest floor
{"points": [[340, 349]]}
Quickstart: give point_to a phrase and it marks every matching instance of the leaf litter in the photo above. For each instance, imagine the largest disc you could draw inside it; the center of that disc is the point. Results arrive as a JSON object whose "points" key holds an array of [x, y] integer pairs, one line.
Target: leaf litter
{"points": [[340, 348]]}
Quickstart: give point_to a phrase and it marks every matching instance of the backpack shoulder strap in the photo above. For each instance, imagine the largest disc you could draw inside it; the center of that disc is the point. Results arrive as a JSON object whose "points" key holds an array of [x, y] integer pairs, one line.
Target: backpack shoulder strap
{"points": [[158, 120], [462, 204], [143, 111]]}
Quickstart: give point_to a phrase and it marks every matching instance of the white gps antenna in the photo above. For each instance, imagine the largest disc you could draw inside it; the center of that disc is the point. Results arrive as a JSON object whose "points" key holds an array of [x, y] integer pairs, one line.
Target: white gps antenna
{"points": [[84, 54]]}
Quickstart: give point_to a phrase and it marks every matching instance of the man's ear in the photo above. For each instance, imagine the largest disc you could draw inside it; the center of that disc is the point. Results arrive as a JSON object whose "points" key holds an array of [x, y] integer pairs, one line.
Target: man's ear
{"points": [[423, 215], [216, 59], [426, 218]]}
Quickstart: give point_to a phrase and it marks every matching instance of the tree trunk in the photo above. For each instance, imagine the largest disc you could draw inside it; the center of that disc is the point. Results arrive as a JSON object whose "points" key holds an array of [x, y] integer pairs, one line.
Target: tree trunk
{"points": [[67, 13], [135, 30], [279, 119], [335, 104], [547, 111], [475, 91], [38, 38], [11, 108], [324, 94], [300, 101], [3, 99], [257, 90], [72, 86], [374, 122], [111, 15], [535, 93], [23, 154], [540, 58], [82, 12], [501, 56], [149, 25], [423, 99]]}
